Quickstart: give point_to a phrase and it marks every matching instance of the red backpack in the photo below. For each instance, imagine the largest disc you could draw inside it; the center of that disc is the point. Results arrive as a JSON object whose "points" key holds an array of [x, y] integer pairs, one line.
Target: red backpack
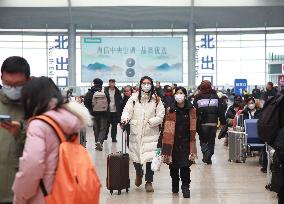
{"points": [[76, 180]]}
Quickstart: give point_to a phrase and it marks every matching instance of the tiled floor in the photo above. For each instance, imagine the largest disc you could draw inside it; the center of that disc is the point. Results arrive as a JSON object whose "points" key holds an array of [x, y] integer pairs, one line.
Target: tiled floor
{"points": [[221, 183]]}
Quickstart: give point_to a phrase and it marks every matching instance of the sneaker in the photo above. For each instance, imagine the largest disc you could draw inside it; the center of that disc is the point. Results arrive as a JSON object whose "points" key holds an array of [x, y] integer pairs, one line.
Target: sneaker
{"points": [[149, 188], [207, 157], [185, 191], [99, 147], [138, 180]]}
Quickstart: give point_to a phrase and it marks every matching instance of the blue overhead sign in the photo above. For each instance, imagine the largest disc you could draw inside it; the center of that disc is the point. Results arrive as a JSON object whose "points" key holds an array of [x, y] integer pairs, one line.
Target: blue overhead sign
{"points": [[240, 86]]}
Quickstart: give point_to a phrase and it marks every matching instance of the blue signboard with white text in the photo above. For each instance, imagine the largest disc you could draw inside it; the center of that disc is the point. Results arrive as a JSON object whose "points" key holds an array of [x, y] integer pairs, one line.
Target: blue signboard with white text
{"points": [[240, 86]]}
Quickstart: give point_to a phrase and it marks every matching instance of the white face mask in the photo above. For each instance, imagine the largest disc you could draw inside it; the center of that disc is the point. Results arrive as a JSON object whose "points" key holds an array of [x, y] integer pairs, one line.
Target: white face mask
{"points": [[146, 87], [180, 98], [251, 106], [13, 93]]}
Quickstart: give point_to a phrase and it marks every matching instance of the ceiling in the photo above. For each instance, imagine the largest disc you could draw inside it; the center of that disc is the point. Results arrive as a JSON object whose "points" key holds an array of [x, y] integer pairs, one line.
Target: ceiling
{"points": [[55, 14]]}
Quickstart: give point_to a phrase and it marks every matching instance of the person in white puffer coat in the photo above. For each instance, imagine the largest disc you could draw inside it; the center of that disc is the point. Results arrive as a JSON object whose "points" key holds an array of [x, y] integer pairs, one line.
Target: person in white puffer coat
{"points": [[145, 112]]}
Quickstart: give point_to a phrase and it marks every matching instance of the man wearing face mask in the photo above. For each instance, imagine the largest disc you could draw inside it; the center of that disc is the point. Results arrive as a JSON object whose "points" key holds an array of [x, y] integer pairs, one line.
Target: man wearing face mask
{"points": [[15, 73]]}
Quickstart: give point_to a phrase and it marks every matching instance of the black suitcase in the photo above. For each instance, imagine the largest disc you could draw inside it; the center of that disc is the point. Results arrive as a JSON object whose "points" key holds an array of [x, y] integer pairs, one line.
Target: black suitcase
{"points": [[118, 169]]}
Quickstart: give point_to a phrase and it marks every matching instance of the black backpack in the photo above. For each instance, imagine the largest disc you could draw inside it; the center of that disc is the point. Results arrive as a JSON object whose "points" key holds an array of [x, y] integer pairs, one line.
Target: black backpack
{"points": [[268, 124]]}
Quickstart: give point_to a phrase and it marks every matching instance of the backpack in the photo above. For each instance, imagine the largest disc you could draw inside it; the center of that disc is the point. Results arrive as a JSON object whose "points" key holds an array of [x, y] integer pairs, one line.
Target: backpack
{"points": [[269, 120], [99, 102], [76, 180]]}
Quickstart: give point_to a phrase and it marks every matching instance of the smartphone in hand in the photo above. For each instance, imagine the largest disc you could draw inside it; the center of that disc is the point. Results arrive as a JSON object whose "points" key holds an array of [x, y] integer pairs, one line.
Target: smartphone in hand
{"points": [[5, 118]]}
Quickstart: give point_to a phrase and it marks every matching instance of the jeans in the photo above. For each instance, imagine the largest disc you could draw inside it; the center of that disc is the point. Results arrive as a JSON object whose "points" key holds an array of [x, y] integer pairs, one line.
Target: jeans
{"points": [[99, 127], [149, 173], [208, 132], [113, 120], [184, 175]]}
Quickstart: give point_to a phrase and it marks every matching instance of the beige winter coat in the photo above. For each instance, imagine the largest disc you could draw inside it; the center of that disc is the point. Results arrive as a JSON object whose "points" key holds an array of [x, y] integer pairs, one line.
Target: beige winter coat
{"points": [[145, 118]]}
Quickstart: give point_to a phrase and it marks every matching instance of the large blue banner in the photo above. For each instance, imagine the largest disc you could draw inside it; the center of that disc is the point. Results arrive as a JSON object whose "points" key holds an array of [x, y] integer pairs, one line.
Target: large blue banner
{"points": [[127, 59]]}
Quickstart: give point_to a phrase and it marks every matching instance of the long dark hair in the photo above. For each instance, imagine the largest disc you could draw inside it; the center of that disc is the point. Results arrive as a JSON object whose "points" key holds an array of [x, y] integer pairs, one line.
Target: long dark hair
{"points": [[151, 92], [37, 94]]}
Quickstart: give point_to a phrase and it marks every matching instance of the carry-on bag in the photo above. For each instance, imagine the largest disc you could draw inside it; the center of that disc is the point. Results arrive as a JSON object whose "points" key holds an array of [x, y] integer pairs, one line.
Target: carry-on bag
{"points": [[237, 141], [118, 169]]}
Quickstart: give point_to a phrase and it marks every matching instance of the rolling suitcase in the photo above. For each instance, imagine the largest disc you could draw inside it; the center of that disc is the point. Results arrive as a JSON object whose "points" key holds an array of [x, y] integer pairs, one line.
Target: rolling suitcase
{"points": [[237, 141], [118, 169]]}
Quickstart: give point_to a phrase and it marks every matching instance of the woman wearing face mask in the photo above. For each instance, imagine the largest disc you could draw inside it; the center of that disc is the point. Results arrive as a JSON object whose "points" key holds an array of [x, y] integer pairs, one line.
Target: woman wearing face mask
{"points": [[178, 141], [145, 111], [251, 111]]}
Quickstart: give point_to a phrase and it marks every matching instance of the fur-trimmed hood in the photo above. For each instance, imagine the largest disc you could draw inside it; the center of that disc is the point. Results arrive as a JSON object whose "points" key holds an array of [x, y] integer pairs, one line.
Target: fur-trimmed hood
{"points": [[80, 111]]}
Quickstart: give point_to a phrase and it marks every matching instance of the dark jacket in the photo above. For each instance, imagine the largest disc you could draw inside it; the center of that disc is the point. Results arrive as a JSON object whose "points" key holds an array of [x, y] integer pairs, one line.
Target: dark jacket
{"points": [[160, 92], [256, 93], [89, 98], [269, 94], [279, 140], [180, 154], [169, 101], [230, 114], [209, 113], [117, 99]]}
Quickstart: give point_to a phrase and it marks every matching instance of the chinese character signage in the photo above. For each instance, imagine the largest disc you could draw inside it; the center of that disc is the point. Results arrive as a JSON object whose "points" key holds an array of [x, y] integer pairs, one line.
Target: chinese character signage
{"points": [[127, 59], [205, 58], [58, 59]]}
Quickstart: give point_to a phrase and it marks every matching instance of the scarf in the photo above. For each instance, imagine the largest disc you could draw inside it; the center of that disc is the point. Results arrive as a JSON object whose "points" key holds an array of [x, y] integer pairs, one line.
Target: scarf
{"points": [[169, 134]]}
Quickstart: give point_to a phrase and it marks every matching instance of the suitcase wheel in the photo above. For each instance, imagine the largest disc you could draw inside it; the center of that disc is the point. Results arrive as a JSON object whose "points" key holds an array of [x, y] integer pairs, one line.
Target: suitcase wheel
{"points": [[127, 190], [119, 192], [111, 192]]}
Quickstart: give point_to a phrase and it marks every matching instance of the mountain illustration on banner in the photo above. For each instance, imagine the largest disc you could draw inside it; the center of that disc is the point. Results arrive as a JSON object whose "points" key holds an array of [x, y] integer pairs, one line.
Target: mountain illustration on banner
{"points": [[167, 67], [102, 67]]}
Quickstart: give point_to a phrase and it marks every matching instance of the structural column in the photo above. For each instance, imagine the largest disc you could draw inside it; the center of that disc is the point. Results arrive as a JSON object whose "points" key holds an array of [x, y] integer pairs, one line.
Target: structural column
{"points": [[72, 55], [191, 55]]}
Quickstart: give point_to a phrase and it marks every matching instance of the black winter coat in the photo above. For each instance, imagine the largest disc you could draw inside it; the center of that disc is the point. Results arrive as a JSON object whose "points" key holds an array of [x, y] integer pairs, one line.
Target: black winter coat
{"points": [[209, 113], [182, 137], [180, 154], [169, 101], [117, 98]]}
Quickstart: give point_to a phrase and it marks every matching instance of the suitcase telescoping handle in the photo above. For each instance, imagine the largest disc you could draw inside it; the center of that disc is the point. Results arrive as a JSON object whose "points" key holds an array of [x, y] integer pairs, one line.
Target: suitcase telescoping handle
{"points": [[123, 139]]}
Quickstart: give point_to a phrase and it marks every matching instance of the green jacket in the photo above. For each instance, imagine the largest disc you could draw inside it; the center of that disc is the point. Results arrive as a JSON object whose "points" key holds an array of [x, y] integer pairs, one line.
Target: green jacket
{"points": [[11, 148]]}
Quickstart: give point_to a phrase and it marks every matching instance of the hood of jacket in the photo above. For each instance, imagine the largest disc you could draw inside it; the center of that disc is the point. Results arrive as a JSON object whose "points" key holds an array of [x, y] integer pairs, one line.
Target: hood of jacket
{"points": [[71, 117]]}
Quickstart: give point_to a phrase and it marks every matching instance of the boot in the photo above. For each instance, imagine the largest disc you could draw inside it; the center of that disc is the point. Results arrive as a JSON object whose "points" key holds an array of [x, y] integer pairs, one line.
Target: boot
{"points": [[99, 147], [138, 180], [175, 186], [185, 191], [149, 188], [206, 157]]}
